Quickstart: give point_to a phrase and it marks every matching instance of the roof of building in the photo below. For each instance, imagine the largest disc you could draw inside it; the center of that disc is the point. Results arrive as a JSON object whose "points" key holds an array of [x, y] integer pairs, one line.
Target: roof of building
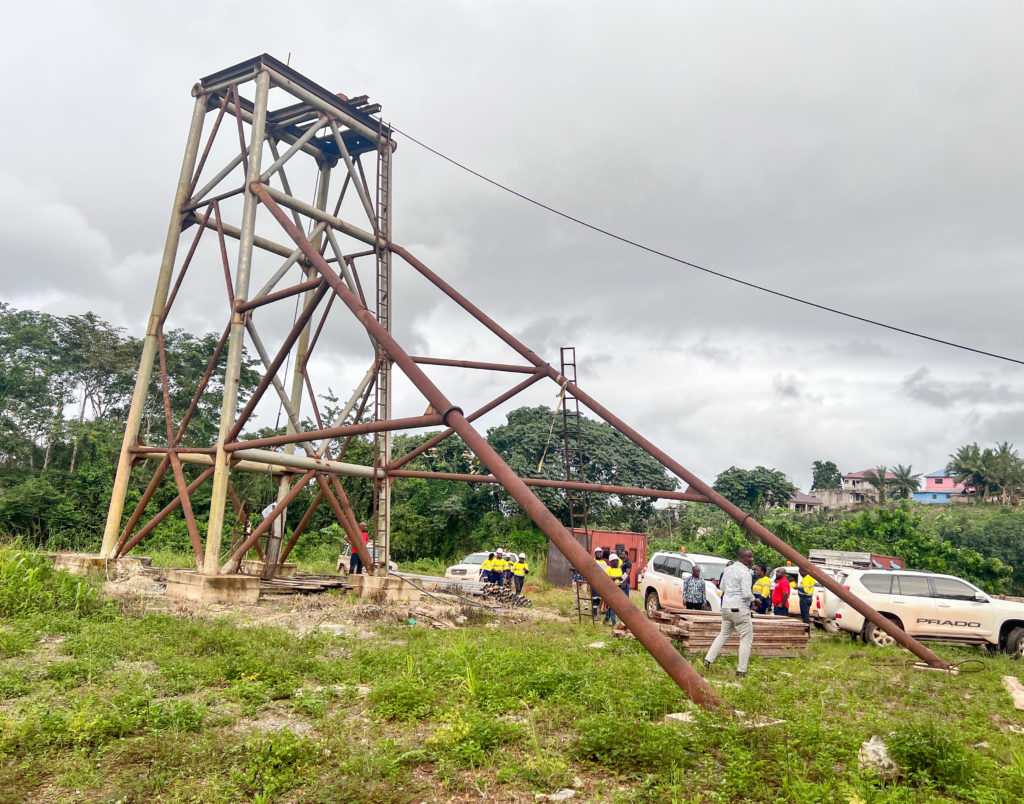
{"points": [[800, 497], [940, 473], [860, 475]]}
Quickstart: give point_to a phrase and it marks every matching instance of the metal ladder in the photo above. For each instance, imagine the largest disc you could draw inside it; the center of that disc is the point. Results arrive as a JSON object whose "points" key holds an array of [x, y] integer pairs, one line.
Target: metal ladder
{"points": [[382, 387], [572, 441]]}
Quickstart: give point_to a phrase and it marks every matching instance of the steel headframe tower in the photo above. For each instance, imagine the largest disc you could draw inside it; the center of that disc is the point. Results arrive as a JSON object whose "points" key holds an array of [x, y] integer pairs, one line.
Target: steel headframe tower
{"points": [[321, 131]]}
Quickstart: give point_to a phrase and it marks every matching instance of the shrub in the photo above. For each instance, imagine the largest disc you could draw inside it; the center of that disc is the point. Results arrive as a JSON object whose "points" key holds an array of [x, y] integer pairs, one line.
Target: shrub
{"points": [[401, 698], [639, 745], [470, 735], [927, 753]]}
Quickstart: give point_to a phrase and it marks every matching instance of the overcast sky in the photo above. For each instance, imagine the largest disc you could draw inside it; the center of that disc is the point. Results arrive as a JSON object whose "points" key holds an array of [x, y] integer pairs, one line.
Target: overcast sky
{"points": [[865, 156]]}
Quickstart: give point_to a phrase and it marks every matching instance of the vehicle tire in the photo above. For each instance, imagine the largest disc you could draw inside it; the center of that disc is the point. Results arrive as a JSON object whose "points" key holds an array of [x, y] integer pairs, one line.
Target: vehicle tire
{"points": [[1015, 643], [652, 603], [873, 635]]}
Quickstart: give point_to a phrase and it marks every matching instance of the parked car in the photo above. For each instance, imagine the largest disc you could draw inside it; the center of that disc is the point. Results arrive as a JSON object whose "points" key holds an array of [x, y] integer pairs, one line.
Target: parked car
{"points": [[468, 569], [661, 582], [929, 607]]}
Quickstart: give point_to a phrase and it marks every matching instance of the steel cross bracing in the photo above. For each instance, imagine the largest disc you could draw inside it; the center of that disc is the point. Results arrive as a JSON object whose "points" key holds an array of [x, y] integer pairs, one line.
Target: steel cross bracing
{"points": [[306, 253]]}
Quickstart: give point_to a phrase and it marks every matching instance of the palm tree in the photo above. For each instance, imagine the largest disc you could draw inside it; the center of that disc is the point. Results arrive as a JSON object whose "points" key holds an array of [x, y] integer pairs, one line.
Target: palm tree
{"points": [[1005, 470], [904, 482], [877, 478], [968, 466]]}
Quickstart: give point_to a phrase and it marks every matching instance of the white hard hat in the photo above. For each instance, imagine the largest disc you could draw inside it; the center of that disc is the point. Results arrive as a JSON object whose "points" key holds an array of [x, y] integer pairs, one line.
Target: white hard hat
{"points": [[499, 550], [597, 549], [522, 555], [613, 557]]}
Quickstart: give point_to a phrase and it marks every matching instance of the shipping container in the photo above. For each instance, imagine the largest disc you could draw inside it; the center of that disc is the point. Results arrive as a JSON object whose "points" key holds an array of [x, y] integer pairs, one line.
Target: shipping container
{"points": [[623, 543]]}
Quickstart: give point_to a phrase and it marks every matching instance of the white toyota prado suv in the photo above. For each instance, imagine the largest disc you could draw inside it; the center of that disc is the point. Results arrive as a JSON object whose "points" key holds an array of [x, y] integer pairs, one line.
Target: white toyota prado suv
{"points": [[930, 607], [661, 581]]}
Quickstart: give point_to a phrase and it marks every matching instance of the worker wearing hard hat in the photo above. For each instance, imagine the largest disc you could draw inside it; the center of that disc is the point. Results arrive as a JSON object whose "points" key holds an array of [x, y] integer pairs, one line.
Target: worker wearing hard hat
{"points": [[487, 569], [613, 571], [499, 567], [520, 569]]}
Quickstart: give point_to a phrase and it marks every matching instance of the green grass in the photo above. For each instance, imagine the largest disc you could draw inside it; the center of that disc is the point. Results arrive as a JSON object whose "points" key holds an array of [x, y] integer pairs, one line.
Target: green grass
{"points": [[146, 708]]}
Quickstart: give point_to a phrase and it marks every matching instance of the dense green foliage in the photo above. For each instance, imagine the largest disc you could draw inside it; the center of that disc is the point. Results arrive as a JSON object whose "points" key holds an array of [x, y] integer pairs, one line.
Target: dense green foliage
{"points": [[826, 475], [897, 531], [990, 472]]}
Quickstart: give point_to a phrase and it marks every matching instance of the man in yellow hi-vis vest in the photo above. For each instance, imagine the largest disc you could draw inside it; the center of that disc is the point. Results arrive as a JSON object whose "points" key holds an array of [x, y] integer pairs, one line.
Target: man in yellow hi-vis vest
{"points": [[519, 570], [762, 590], [806, 594], [614, 572]]}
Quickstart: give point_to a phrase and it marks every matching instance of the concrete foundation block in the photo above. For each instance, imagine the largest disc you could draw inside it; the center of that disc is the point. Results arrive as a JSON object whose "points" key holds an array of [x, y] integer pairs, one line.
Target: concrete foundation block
{"points": [[394, 588], [257, 568], [83, 563], [191, 585]]}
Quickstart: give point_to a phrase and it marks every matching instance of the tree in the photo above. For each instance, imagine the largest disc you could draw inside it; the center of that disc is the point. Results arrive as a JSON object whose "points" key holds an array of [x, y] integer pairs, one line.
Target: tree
{"points": [[608, 458], [904, 482], [826, 476], [967, 466], [1004, 470], [755, 490], [879, 480]]}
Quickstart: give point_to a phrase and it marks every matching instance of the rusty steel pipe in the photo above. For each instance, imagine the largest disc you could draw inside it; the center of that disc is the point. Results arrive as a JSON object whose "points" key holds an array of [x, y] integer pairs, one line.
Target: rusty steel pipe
{"points": [[643, 629], [743, 519], [476, 414], [472, 364], [596, 488], [336, 432], [301, 527], [294, 290]]}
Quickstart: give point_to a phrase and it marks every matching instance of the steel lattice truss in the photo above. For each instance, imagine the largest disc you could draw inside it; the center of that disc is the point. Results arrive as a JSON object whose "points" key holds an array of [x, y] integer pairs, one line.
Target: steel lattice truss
{"points": [[326, 259]]}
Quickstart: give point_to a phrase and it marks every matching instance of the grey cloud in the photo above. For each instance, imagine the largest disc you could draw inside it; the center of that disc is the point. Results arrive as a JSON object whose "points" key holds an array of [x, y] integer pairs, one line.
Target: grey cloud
{"points": [[922, 387]]}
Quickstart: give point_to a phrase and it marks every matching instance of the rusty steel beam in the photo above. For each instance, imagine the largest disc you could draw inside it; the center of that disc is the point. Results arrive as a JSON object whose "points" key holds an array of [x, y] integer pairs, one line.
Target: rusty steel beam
{"points": [[294, 290], [438, 361], [643, 629], [301, 527], [476, 414], [539, 482], [741, 517], [140, 508], [168, 509], [336, 432]]}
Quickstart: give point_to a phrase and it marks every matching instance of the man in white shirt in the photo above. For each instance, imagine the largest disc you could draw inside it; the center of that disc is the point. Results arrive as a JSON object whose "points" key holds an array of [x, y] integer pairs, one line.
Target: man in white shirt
{"points": [[736, 598]]}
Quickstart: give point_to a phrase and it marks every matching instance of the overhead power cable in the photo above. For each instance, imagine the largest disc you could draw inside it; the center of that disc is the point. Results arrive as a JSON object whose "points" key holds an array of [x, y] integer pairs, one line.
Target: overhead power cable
{"points": [[719, 274]]}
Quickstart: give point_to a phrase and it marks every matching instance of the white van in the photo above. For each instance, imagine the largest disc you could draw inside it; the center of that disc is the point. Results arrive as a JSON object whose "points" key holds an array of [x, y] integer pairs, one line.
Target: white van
{"points": [[661, 582]]}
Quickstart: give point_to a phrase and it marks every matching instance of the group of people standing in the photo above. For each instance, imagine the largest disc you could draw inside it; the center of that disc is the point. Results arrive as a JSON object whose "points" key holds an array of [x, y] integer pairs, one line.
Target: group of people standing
{"points": [[772, 598], [619, 570], [505, 568], [742, 595]]}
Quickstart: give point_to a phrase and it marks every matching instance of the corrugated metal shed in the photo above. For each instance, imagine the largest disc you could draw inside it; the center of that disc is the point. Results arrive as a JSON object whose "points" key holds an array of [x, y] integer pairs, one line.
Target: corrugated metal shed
{"points": [[622, 542]]}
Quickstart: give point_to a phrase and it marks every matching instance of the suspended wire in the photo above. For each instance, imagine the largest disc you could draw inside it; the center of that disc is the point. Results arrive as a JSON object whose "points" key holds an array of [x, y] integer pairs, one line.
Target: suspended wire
{"points": [[719, 274]]}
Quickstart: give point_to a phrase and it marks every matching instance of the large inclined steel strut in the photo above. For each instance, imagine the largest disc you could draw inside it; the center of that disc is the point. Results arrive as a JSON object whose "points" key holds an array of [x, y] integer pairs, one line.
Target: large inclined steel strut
{"points": [[643, 629]]}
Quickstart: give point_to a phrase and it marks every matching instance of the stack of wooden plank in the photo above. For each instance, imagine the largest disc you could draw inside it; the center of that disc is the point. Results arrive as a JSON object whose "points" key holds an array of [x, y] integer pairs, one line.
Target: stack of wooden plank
{"points": [[302, 583], [694, 631]]}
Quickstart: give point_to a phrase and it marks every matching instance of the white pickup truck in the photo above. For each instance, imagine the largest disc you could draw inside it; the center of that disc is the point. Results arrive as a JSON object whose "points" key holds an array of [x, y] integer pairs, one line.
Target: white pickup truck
{"points": [[929, 607]]}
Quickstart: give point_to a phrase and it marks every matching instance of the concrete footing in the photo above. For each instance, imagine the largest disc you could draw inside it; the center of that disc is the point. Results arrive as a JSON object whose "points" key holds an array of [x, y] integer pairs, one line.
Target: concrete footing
{"points": [[190, 585], [258, 568], [82, 563], [392, 587]]}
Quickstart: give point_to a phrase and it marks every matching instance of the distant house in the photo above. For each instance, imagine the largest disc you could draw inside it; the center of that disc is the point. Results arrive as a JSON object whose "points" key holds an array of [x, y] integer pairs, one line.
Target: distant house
{"points": [[805, 503], [939, 488], [855, 491]]}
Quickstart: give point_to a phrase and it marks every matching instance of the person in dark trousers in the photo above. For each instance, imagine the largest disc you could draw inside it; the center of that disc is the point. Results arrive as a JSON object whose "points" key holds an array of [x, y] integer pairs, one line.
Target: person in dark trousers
{"points": [[355, 564], [614, 572], [694, 591], [736, 599], [780, 594], [805, 591], [519, 572], [627, 573]]}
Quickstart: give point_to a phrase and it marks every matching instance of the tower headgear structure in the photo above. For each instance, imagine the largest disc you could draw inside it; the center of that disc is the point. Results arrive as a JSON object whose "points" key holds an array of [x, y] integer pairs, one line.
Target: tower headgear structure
{"points": [[325, 248]]}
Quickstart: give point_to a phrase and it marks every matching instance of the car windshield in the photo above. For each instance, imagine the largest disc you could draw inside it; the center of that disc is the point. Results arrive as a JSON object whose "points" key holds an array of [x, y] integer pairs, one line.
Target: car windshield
{"points": [[711, 570], [476, 558]]}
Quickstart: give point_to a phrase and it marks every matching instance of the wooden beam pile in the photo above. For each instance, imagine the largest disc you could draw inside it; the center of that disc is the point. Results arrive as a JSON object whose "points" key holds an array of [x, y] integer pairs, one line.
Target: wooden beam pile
{"points": [[694, 631]]}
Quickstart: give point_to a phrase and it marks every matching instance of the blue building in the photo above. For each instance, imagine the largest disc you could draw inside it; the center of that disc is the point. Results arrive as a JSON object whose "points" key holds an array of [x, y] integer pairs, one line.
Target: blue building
{"points": [[939, 487]]}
